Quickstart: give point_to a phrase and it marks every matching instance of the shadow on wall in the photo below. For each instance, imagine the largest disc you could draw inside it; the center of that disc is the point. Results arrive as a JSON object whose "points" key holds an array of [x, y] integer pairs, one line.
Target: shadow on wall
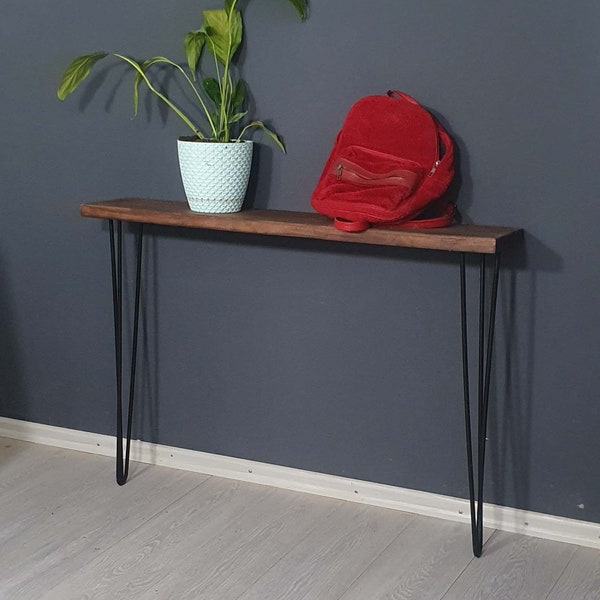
{"points": [[513, 377], [259, 185], [12, 393], [460, 191], [511, 402]]}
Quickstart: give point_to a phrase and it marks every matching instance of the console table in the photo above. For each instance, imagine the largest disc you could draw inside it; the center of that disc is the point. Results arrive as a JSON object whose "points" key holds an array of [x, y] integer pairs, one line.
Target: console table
{"points": [[462, 240]]}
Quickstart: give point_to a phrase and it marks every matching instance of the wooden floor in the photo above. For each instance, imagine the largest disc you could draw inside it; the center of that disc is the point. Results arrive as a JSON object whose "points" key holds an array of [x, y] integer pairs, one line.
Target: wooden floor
{"points": [[68, 531]]}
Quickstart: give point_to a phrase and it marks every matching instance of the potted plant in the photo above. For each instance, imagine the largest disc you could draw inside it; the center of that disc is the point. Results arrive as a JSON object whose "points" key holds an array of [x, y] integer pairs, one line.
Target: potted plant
{"points": [[215, 159]]}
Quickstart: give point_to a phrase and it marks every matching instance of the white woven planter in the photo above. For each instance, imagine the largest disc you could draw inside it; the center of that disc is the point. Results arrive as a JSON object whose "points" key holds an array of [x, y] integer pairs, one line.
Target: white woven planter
{"points": [[215, 174]]}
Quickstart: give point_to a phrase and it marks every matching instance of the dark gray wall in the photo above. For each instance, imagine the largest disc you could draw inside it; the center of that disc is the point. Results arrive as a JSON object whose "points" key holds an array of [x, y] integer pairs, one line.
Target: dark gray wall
{"points": [[324, 358]]}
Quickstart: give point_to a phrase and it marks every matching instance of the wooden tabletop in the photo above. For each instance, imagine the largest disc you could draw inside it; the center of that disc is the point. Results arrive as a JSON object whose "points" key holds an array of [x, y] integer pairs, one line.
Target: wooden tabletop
{"points": [[480, 239]]}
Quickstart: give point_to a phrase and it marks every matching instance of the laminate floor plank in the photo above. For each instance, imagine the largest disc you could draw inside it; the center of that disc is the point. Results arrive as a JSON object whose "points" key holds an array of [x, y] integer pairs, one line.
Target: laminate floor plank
{"points": [[67, 531], [70, 510], [137, 568], [62, 477], [21, 463], [247, 548], [328, 560], [581, 579], [421, 563], [513, 567]]}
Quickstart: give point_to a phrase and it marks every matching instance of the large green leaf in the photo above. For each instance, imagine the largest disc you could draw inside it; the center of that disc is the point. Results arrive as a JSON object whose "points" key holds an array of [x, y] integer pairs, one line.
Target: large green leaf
{"points": [[76, 72], [193, 42], [212, 89], [239, 94], [224, 33]]}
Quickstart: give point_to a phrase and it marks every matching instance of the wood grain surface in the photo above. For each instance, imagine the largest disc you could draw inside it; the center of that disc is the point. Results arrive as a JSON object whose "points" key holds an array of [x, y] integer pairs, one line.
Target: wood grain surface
{"points": [[457, 238]]}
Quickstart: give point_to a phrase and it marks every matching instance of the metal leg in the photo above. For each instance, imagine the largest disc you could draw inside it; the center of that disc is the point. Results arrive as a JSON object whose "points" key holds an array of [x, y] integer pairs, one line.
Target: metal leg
{"points": [[483, 389], [116, 260]]}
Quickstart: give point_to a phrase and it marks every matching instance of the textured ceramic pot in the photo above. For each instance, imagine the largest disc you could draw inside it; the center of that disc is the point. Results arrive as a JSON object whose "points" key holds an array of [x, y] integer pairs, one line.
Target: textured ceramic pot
{"points": [[215, 174]]}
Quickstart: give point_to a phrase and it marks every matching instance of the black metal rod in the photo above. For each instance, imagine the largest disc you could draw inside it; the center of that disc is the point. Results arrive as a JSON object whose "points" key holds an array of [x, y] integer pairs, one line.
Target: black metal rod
{"points": [[477, 548], [116, 256], [485, 354], [136, 320], [486, 396], [116, 260], [467, 402]]}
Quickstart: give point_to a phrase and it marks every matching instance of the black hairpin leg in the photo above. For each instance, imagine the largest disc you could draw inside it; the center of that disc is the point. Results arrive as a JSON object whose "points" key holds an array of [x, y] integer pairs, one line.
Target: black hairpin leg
{"points": [[116, 260], [486, 345]]}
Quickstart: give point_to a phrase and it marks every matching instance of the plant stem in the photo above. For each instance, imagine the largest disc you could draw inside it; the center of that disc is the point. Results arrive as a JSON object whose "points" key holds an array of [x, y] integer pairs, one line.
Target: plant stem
{"points": [[227, 91], [210, 121], [221, 90], [180, 114]]}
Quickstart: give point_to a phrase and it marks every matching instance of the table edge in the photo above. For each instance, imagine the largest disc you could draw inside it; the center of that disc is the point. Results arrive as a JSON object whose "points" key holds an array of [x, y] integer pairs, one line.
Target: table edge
{"points": [[479, 239]]}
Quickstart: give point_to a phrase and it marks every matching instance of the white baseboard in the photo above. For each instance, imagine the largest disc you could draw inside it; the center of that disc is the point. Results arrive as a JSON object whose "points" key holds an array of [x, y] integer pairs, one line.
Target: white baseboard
{"points": [[422, 503]]}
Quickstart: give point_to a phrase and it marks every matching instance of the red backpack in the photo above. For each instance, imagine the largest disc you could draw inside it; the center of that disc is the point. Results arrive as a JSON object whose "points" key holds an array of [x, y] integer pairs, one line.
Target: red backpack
{"points": [[390, 165]]}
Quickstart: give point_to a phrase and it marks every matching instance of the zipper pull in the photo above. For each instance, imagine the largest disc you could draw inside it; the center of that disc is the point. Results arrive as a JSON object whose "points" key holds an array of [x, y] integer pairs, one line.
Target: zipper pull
{"points": [[340, 168], [434, 168]]}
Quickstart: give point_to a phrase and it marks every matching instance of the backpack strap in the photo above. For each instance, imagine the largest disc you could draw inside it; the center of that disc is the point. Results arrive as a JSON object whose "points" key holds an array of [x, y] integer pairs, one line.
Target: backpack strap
{"points": [[350, 226], [442, 220], [402, 95]]}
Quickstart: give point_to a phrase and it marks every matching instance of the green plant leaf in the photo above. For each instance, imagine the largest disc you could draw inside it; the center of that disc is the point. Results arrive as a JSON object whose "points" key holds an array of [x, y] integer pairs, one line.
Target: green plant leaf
{"points": [[224, 33], [237, 117], [212, 89], [194, 42], [271, 134], [239, 94], [76, 72], [136, 87], [300, 6]]}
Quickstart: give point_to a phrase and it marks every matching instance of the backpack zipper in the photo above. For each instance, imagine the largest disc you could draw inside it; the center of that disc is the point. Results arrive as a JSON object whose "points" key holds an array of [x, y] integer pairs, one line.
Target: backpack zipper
{"points": [[437, 148], [436, 164], [348, 171]]}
